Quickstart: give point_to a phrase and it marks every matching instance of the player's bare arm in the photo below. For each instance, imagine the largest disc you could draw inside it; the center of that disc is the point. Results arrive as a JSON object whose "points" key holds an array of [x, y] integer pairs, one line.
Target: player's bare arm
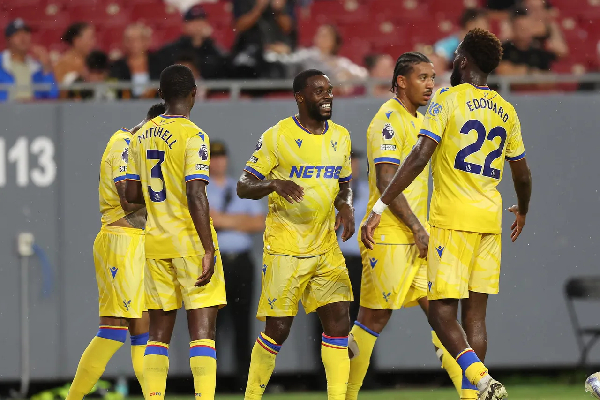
{"points": [[200, 213], [411, 168], [136, 213], [133, 192], [384, 173], [521, 175], [345, 215], [250, 187]]}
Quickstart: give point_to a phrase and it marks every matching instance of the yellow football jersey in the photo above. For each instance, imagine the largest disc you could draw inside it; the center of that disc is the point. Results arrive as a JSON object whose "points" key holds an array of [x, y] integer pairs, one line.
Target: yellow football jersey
{"points": [[164, 154], [315, 162], [390, 137], [476, 130], [113, 169]]}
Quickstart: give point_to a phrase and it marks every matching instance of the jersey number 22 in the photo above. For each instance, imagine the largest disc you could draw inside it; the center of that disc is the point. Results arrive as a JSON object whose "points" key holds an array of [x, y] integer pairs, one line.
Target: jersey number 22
{"points": [[472, 168]]}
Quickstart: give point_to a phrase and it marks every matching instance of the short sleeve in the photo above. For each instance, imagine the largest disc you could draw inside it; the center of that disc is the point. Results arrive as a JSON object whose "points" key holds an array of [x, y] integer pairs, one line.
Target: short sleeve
{"points": [[515, 149], [264, 158], [436, 117], [133, 161], [197, 158], [386, 139], [346, 173], [119, 154]]}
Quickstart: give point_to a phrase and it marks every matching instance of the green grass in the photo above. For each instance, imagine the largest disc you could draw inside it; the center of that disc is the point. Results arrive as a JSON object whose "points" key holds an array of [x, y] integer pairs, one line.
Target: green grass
{"points": [[522, 392]]}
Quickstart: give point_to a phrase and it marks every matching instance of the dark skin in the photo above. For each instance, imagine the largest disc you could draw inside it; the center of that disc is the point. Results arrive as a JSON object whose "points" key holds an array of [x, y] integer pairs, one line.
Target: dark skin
{"points": [[443, 313], [414, 91], [201, 321], [314, 109]]}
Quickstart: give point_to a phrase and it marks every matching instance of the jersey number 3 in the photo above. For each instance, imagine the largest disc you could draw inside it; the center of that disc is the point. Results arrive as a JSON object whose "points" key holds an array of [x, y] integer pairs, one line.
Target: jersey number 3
{"points": [[472, 168], [156, 172]]}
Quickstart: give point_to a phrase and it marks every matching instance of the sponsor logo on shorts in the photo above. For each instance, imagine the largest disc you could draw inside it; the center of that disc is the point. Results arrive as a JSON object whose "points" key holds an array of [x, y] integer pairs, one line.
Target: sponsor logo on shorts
{"points": [[373, 262], [113, 271], [264, 269], [440, 251], [271, 302], [388, 147], [386, 296], [429, 285]]}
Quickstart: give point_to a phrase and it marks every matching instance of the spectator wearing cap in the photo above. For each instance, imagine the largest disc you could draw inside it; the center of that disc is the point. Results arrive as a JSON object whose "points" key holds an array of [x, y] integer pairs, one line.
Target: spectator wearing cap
{"points": [[139, 66], [235, 220], [471, 18], [212, 62], [81, 38], [264, 27], [19, 68]]}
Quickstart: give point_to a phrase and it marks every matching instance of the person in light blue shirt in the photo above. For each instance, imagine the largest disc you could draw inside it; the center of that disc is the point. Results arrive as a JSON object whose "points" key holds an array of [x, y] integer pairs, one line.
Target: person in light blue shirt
{"points": [[235, 220], [471, 18]]}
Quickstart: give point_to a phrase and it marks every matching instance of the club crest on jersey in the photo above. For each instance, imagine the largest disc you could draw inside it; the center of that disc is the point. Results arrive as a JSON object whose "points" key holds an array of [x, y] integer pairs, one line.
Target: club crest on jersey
{"points": [[271, 302], [125, 155], [258, 145], [388, 131], [203, 153], [334, 145], [126, 304], [434, 108]]}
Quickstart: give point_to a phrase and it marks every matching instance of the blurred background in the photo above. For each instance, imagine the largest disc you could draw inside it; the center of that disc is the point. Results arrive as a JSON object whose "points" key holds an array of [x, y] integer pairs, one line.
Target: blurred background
{"points": [[74, 71]]}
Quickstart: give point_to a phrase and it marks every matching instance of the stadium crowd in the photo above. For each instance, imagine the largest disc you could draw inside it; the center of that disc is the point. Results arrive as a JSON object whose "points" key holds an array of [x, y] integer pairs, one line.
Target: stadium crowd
{"points": [[265, 45]]}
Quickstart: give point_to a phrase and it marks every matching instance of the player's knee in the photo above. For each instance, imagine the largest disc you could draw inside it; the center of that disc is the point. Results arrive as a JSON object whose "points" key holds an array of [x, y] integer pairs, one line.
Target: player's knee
{"points": [[278, 328]]}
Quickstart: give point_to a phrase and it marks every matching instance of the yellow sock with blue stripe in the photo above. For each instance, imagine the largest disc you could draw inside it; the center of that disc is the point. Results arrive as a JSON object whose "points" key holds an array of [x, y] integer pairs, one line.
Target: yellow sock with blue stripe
{"points": [[448, 362], [93, 361], [334, 353], [138, 347], [359, 364], [156, 368], [472, 367], [262, 363], [203, 363]]}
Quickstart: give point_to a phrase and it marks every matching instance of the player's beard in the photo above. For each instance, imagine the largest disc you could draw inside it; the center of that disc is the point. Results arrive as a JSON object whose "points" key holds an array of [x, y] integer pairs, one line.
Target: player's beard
{"points": [[314, 111], [455, 78]]}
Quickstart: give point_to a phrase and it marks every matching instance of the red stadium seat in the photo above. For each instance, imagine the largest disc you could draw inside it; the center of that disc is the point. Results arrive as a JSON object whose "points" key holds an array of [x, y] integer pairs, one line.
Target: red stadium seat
{"points": [[38, 15], [154, 15]]}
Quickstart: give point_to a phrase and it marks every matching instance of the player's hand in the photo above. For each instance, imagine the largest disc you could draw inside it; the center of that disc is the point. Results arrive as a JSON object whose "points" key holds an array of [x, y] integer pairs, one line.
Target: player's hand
{"points": [[208, 268], [422, 241], [345, 217], [367, 229], [289, 190], [518, 225]]}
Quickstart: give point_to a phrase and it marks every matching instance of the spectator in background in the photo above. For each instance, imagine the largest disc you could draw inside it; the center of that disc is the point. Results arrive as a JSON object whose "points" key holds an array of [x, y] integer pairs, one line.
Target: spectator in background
{"points": [[212, 62], [235, 220], [96, 71], [81, 38], [189, 60], [184, 5], [471, 18], [139, 66], [19, 68], [263, 27], [523, 54], [380, 66]]}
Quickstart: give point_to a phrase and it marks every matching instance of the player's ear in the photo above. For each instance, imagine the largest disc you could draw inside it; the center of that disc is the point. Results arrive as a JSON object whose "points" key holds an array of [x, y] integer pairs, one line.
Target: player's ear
{"points": [[160, 93], [299, 98], [194, 90], [401, 81]]}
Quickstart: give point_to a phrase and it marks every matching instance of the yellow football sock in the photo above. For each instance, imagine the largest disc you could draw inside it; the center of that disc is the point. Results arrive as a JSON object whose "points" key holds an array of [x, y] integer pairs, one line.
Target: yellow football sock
{"points": [[448, 362], [334, 353], [156, 368], [359, 364], [203, 362], [472, 367], [93, 361], [262, 363], [138, 347]]}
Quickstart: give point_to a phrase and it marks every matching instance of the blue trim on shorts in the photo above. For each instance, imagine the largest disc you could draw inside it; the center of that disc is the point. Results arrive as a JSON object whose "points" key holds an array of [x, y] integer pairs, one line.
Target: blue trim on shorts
{"points": [[364, 328]]}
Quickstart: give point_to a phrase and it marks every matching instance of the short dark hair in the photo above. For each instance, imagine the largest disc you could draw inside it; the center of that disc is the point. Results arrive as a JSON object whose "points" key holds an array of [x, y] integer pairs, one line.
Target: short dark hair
{"points": [[484, 48], [73, 31], [471, 14], [156, 110], [405, 64], [97, 61], [301, 80], [176, 82], [337, 37]]}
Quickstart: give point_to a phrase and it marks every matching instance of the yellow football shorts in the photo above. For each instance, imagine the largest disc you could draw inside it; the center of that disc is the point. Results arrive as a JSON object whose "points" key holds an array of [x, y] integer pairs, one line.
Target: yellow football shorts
{"points": [[459, 262], [169, 282], [393, 276], [316, 281], [120, 262]]}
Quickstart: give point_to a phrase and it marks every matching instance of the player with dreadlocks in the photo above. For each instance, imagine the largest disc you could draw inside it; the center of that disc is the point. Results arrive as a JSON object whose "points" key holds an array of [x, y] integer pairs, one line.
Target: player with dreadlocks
{"points": [[395, 270], [470, 131]]}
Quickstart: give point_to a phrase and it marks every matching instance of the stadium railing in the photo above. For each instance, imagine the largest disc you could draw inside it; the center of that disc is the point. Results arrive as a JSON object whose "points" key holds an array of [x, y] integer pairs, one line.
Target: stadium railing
{"points": [[504, 84]]}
